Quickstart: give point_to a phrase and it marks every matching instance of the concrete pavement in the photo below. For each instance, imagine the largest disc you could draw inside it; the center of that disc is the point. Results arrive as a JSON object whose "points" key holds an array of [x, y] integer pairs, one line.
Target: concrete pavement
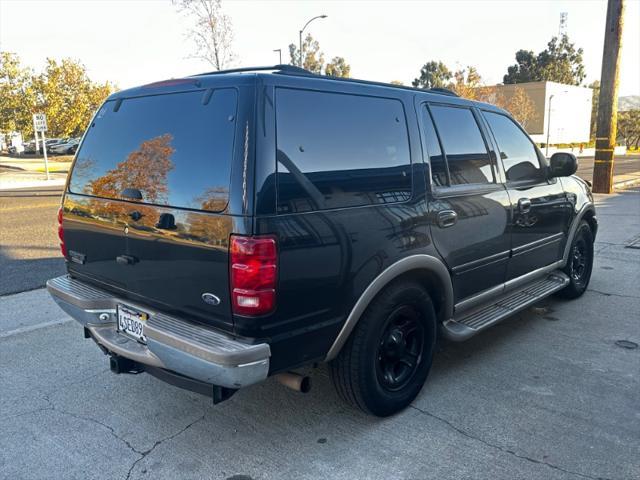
{"points": [[545, 395], [29, 252]]}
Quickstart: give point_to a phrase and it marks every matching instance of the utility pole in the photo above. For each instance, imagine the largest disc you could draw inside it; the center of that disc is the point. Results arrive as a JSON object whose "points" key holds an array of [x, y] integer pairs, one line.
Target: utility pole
{"points": [[608, 100]]}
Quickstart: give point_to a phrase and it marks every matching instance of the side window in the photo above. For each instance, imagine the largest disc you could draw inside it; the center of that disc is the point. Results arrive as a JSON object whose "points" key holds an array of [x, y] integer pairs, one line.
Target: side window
{"points": [[464, 148], [336, 150], [436, 159], [518, 154]]}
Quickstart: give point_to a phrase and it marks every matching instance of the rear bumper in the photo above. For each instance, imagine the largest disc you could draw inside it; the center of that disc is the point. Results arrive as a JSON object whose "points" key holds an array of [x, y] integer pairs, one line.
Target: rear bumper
{"points": [[174, 344]]}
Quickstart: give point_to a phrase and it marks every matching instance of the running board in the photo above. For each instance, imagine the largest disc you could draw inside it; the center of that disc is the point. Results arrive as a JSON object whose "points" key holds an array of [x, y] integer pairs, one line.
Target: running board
{"points": [[468, 324]]}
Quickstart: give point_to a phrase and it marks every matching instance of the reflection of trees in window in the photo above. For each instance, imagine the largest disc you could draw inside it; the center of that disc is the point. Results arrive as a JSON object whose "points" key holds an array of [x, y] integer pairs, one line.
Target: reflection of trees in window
{"points": [[145, 169], [207, 228], [83, 171], [213, 199]]}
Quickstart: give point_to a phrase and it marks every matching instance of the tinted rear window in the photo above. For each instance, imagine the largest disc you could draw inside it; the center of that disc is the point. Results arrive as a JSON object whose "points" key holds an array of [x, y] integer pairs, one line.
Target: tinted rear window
{"points": [[176, 149], [337, 150]]}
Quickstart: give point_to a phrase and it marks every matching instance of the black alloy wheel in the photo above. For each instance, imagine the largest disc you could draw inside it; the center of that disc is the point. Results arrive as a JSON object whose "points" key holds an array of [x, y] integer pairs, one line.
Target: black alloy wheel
{"points": [[400, 349]]}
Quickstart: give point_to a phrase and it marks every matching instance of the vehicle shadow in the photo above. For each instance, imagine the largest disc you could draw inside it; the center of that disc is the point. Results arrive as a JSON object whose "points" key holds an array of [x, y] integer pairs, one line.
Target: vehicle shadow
{"points": [[21, 274]]}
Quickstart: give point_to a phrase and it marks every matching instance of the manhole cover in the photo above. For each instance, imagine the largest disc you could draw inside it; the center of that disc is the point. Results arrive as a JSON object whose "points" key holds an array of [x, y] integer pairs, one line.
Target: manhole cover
{"points": [[629, 345]]}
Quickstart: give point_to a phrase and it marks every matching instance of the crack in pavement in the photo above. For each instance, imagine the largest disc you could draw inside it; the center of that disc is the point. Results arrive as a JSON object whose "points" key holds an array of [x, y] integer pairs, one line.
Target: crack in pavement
{"points": [[503, 449], [161, 441], [111, 430], [607, 294]]}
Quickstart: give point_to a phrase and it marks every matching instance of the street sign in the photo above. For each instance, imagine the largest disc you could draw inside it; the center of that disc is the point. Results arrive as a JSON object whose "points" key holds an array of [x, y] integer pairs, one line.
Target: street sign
{"points": [[40, 125], [40, 122]]}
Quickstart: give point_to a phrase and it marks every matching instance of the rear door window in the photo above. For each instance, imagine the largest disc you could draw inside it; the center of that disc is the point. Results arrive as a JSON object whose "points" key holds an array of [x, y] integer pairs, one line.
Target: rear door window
{"points": [[174, 149], [337, 150], [465, 151]]}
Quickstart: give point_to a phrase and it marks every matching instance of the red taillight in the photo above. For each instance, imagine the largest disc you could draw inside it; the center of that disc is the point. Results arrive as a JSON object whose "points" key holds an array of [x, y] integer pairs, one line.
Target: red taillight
{"points": [[254, 271], [63, 248]]}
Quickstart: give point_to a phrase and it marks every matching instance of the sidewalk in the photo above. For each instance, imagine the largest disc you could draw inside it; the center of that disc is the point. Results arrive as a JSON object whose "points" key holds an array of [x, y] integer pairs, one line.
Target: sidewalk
{"points": [[30, 173]]}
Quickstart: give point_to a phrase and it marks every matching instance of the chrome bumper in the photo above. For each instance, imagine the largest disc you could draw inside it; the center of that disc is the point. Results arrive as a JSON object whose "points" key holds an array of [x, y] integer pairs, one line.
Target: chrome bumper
{"points": [[183, 347]]}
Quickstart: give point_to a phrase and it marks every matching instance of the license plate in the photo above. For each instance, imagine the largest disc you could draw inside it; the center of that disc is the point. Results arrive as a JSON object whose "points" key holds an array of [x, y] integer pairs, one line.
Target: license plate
{"points": [[131, 322]]}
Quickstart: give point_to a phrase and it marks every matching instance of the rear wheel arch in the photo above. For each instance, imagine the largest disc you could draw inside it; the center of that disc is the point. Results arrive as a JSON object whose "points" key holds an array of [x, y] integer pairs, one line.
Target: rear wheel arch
{"points": [[590, 217], [430, 272]]}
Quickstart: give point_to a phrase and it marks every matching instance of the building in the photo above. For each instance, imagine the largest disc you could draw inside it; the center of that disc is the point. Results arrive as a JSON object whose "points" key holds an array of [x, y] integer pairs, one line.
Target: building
{"points": [[563, 111]]}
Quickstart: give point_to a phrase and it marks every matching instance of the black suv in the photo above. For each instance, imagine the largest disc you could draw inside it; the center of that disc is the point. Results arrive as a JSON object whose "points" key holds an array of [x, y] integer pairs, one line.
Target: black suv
{"points": [[226, 227]]}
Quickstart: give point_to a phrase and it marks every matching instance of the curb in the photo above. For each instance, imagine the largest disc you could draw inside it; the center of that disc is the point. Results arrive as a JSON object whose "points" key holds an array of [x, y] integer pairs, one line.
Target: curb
{"points": [[626, 184], [56, 182]]}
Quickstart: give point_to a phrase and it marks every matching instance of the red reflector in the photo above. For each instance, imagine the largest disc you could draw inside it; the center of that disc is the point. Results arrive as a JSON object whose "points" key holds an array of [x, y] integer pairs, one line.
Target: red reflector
{"points": [[63, 247], [253, 265]]}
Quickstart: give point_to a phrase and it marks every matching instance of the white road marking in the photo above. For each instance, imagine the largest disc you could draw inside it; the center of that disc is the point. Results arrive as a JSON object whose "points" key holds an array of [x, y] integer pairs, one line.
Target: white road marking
{"points": [[31, 328]]}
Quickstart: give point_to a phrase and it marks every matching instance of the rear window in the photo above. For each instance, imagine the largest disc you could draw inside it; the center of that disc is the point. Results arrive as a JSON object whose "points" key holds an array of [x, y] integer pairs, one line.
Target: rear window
{"points": [[175, 149], [336, 150]]}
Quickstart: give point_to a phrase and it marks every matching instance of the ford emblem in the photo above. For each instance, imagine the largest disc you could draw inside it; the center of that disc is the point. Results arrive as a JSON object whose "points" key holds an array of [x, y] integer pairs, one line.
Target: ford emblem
{"points": [[210, 299]]}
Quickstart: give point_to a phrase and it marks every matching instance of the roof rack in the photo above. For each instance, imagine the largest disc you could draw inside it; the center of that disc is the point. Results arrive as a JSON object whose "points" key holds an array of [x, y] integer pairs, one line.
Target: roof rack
{"points": [[298, 71], [292, 69], [444, 91]]}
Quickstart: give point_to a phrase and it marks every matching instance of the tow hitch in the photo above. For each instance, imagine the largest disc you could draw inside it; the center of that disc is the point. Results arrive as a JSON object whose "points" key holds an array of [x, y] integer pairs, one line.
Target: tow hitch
{"points": [[119, 364]]}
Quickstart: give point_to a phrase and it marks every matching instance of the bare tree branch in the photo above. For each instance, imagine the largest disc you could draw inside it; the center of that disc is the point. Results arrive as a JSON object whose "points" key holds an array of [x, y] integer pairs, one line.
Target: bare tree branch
{"points": [[212, 32]]}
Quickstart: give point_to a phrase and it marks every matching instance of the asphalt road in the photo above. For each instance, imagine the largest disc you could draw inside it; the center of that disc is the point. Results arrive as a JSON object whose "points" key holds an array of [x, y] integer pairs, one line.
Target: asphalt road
{"points": [[29, 252], [623, 165], [545, 395]]}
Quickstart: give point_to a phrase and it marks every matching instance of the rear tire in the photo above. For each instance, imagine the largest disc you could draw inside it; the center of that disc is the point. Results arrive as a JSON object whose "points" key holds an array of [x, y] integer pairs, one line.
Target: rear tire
{"points": [[384, 364], [580, 263]]}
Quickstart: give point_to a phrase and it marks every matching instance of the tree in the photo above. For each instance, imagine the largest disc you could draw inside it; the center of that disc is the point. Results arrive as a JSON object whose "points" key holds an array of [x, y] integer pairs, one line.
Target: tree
{"points": [[63, 91], [560, 62], [466, 83], [338, 67], [525, 70], [433, 75], [17, 97], [68, 97], [521, 107], [313, 58], [212, 33], [629, 127]]}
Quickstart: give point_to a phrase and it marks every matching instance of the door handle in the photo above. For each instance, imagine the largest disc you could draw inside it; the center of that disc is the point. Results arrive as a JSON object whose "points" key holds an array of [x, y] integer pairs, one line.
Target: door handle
{"points": [[447, 218], [524, 205], [126, 259]]}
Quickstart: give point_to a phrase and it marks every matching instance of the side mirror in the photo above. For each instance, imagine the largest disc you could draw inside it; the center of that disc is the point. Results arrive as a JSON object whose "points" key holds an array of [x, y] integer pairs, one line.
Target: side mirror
{"points": [[563, 164]]}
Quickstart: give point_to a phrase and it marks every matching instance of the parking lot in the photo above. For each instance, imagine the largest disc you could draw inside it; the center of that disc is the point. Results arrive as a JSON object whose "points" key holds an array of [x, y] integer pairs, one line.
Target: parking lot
{"points": [[550, 394]]}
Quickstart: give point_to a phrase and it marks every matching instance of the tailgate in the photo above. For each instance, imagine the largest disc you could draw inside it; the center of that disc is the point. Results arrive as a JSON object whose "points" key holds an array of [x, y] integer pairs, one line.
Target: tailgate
{"points": [[145, 210]]}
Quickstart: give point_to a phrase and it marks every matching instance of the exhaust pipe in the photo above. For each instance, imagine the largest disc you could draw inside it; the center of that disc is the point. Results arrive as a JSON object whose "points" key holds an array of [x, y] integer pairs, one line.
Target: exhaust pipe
{"points": [[294, 381]]}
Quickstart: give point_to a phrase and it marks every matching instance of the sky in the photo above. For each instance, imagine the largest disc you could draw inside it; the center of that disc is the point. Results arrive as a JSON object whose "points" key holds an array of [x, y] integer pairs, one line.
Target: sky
{"points": [[140, 41]]}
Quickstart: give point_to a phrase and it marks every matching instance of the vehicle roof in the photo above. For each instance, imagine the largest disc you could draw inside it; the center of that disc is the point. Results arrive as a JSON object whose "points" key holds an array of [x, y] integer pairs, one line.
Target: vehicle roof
{"points": [[293, 75]]}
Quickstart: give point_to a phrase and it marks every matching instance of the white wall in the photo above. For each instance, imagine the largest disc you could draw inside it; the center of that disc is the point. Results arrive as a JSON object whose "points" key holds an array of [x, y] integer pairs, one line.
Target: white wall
{"points": [[569, 118]]}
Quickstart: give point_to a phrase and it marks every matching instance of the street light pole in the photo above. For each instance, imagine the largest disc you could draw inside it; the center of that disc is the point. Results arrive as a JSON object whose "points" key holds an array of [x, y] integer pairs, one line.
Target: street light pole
{"points": [[279, 50], [546, 153], [301, 31]]}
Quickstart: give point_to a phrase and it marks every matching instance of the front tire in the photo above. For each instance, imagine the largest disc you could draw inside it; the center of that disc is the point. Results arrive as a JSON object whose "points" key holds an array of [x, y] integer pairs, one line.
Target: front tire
{"points": [[385, 362], [580, 263]]}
